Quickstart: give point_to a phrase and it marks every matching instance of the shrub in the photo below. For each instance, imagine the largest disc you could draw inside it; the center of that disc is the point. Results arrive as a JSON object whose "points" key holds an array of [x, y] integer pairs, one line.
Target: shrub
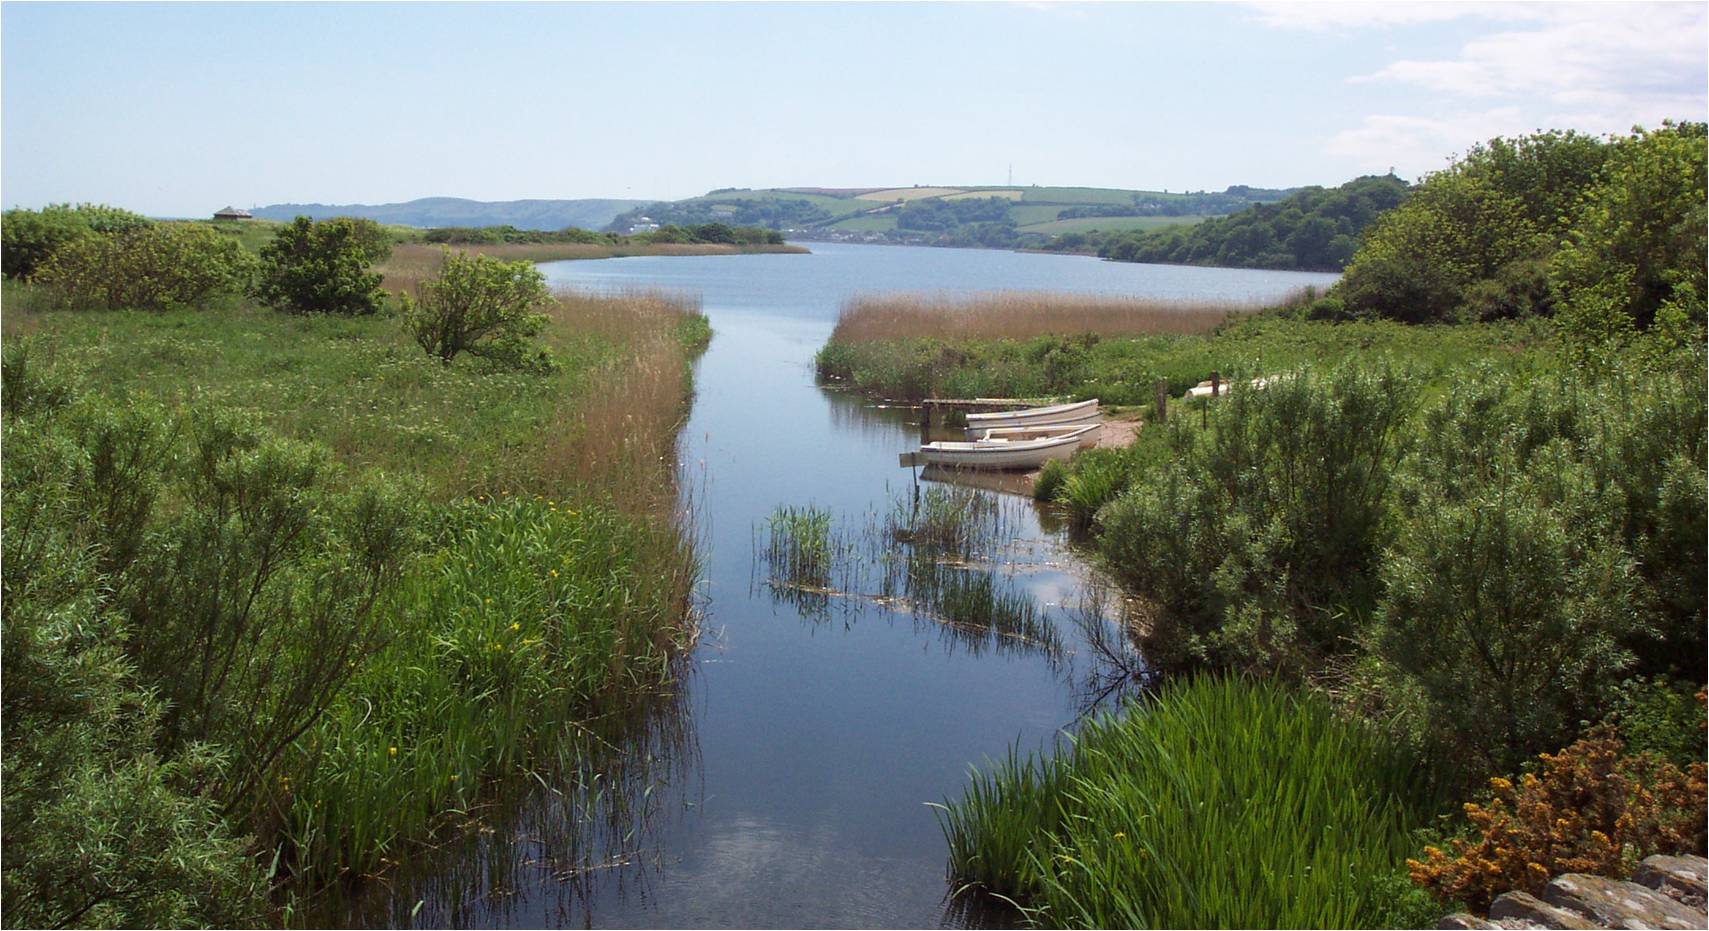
{"points": [[147, 268], [482, 306], [1638, 241], [29, 237], [1221, 803], [1592, 809], [103, 828], [1255, 534], [323, 267]]}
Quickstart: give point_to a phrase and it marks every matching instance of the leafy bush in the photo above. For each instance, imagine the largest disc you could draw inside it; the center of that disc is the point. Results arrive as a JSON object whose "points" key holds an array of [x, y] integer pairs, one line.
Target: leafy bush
{"points": [[149, 267], [1638, 246], [29, 237], [324, 267], [1220, 803], [1489, 217], [1661, 716], [1593, 809], [102, 827], [1254, 535], [1544, 547], [482, 306]]}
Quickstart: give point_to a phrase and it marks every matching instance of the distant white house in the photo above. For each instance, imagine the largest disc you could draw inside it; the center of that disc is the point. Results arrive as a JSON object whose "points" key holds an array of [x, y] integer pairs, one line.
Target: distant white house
{"points": [[643, 225], [232, 213]]}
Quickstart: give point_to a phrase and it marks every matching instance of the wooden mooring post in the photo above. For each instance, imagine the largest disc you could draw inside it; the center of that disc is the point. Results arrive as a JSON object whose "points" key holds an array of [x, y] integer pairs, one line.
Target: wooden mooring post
{"points": [[1162, 399]]}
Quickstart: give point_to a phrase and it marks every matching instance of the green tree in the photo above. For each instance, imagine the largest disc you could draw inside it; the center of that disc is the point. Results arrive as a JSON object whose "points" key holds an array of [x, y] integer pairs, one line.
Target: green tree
{"points": [[1490, 217], [29, 237], [148, 267], [322, 267], [482, 306], [1638, 246]]}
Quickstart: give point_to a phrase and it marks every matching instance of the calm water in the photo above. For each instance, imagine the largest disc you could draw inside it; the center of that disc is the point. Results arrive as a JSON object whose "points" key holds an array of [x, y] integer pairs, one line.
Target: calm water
{"points": [[785, 786]]}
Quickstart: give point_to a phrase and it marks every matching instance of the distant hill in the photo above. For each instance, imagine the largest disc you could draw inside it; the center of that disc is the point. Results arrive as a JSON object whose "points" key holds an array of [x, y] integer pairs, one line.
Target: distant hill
{"points": [[980, 215], [591, 214], [1313, 229]]}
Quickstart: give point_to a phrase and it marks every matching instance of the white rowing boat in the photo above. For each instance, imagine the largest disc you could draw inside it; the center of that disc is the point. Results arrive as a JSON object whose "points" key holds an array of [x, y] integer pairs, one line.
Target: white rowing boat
{"points": [[999, 454], [1077, 413], [1087, 432]]}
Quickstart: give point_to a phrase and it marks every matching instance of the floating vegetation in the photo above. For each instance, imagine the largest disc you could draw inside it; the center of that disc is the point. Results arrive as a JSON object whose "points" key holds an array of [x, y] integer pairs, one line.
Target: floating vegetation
{"points": [[798, 550], [933, 554]]}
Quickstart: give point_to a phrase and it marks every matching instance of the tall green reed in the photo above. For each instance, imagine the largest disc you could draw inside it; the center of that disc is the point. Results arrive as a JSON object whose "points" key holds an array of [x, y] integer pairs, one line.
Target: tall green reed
{"points": [[1221, 803]]}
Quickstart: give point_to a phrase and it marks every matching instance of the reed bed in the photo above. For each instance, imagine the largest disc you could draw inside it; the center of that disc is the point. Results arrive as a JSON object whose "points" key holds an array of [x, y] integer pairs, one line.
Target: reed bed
{"points": [[1025, 314], [918, 558], [531, 616], [1221, 803]]}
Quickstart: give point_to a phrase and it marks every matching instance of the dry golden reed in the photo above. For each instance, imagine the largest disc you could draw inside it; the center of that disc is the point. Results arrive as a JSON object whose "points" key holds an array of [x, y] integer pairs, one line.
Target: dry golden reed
{"points": [[1025, 314]]}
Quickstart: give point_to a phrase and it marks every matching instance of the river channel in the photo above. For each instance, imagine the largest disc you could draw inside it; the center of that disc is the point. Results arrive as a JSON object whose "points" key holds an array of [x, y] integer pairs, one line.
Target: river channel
{"points": [[786, 784]]}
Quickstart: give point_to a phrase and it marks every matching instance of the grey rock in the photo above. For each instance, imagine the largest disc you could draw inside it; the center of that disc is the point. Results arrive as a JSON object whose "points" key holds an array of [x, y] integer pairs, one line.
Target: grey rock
{"points": [[1615, 904], [1523, 906], [1466, 921], [1687, 877]]}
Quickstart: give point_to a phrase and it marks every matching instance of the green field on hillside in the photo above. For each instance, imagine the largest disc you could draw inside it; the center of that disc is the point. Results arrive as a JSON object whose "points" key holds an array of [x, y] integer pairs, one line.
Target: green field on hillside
{"points": [[1087, 224]]}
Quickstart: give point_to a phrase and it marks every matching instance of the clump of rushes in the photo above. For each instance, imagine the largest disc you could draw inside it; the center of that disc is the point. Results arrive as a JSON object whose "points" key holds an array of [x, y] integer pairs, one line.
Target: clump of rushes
{"points": [[798, 550], [1220, 803], [953, 521], [530, 615]]}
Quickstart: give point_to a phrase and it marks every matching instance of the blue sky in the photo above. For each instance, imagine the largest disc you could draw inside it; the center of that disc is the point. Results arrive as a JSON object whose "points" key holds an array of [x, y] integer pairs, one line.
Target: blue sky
{"points": [[181, 109]]}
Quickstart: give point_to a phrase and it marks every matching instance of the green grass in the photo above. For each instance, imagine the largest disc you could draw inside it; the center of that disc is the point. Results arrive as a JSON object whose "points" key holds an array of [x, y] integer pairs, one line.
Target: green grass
{"points": [[549, 591], [1082, 195], [1087, 224], [355, 384], [1026, 214], [1219, 803], [526, 617], [1123, 370]]}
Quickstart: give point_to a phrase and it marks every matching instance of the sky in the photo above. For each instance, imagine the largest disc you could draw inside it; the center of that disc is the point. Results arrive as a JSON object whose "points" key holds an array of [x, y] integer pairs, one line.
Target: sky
{"points": [[179, 109]]}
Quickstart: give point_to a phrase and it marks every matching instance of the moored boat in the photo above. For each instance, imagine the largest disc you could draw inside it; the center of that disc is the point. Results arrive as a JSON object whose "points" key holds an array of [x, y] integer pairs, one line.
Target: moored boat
{"points": [[1087, 432], [999, 454], [1076, 413]]}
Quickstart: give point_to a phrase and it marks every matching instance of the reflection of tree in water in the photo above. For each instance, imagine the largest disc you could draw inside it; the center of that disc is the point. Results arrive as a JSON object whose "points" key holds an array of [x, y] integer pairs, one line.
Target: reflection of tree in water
{"points": [[541, 848]]}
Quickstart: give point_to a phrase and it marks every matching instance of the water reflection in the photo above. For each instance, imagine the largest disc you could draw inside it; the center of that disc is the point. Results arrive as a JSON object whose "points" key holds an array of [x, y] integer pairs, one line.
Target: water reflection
{"points": [[582, 827]]}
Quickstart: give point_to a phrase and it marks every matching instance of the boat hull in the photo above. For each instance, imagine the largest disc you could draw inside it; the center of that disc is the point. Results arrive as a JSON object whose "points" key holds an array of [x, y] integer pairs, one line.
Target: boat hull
{"points": [[998, 454], [1081, 412], [1087, 432]]}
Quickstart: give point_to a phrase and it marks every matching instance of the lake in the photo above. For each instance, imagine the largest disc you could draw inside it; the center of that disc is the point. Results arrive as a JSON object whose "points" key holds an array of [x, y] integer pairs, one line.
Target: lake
{"points": [[786, 784]]}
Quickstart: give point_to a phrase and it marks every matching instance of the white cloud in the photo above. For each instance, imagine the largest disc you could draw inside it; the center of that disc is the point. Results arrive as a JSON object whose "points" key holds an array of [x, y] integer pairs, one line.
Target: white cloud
{"points": [[1414, 145], [1596, 68], [1344, 17], [1615, 53]]}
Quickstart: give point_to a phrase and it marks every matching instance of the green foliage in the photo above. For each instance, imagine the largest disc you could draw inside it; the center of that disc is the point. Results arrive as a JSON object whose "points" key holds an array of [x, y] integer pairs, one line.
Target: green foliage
{"points": [[101, 831], [29, 237], [1123, 370], [102, 827], [1219, 803], [482, 306], [323, 267], [519, 618], [1611, 234], [149, 267], [1661, 716], [1259, 534], [1312, 228], [1637, 247]]}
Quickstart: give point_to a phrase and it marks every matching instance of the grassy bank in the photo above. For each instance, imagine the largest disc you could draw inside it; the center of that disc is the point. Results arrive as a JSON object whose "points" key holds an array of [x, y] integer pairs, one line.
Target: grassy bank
{"points": [[1215, 804], [913, 347], [362, 584]]}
